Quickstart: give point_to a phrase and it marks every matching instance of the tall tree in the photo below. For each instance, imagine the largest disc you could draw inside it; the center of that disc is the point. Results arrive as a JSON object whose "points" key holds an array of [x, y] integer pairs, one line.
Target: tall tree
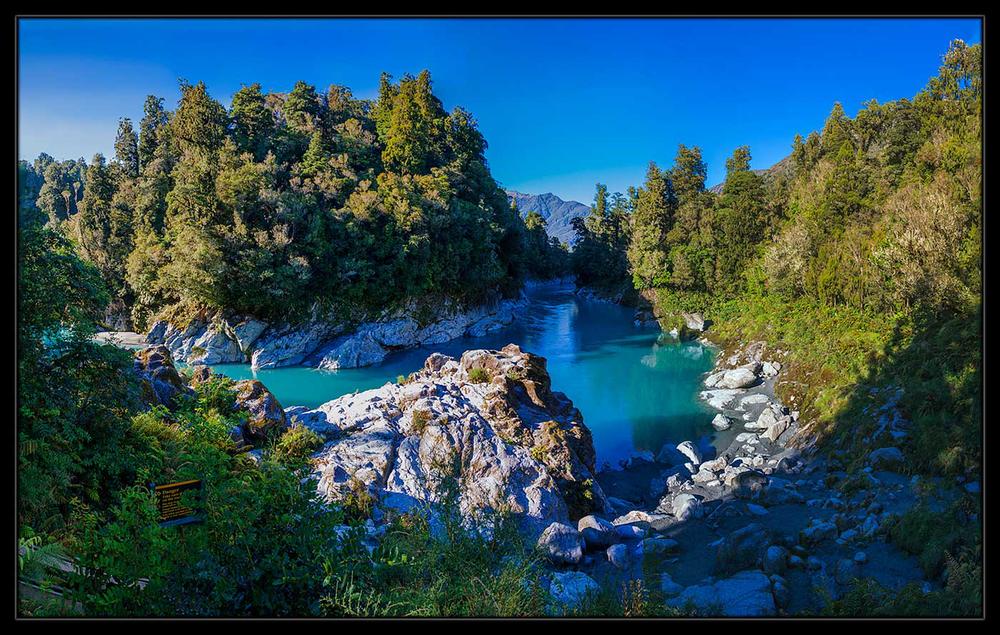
{"points": [[151, 128], [651, 220], [252, 121], [127, 149]]}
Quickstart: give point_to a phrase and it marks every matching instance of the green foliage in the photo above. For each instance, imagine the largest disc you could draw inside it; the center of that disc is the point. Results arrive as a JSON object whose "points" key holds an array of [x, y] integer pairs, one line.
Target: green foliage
{"points": [[289, 201], [479, 375], [430, 563], [599, 257], [543, 255], [74, 396], [651, 220], [936, 544], [420, 420], [295, 445]]}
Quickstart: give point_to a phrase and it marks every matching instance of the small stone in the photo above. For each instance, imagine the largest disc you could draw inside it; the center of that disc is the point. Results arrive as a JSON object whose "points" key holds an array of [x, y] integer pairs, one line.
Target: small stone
{"points": [[659, 545]]}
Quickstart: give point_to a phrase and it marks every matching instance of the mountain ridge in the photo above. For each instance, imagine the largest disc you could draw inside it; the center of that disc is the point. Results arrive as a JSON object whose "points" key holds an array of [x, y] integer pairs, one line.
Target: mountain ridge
{"points": [[558, 213]]}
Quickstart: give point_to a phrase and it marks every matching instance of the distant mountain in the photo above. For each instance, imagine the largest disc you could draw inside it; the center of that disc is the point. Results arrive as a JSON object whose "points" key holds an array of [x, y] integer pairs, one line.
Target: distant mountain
{"points": [[558, 214]]}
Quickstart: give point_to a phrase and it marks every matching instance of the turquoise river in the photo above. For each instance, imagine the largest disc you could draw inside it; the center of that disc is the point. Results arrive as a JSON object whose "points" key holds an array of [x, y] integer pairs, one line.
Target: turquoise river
{"points": [[637, 389]]}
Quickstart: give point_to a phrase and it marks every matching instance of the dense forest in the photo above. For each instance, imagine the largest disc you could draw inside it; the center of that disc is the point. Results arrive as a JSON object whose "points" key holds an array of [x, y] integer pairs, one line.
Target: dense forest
{"points": [[285, 203], [860, 254]]}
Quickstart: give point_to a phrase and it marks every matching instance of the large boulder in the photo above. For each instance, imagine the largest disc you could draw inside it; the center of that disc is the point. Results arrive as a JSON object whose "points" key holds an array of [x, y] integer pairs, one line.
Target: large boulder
{"points": [[159, 380], [350, 351], [265, 416], [203, 340], [694, 321], [686, 506], [742, 377], [597, 532], [690, 451], [291, 345], [487, 426], [721, 422], [886, 457], [561, 544]]}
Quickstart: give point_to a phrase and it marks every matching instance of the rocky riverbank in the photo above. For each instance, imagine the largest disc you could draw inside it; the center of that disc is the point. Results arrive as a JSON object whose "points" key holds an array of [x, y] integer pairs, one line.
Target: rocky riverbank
{"points": [[323, 342], [754, 528]]}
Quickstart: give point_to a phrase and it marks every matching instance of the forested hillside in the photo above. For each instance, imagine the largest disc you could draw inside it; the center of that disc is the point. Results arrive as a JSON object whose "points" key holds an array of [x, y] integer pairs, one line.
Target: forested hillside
{"points": [[285, 201], [861, 257]]}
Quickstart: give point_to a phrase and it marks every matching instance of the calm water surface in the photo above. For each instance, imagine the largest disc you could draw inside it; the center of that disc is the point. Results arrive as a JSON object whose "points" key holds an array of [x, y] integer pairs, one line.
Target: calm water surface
{"points": [[636, 389]]}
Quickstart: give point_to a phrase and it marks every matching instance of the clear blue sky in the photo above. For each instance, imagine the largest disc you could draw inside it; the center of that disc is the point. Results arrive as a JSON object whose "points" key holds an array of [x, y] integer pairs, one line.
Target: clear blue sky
{"points": [[562, 103]]}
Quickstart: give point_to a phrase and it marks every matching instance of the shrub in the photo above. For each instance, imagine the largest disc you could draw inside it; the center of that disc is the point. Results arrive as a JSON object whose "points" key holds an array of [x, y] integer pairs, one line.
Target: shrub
{"points": [[479, 375], [295, 445]]}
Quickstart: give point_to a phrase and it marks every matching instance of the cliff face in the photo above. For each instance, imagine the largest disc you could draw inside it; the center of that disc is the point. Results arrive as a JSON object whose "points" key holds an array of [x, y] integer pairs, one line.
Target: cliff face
{"points": [[487, 424], [325, 343]]}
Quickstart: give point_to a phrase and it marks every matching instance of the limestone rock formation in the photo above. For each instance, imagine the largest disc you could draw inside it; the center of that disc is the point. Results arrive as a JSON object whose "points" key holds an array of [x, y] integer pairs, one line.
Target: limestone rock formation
{"points": [[488, 426]]}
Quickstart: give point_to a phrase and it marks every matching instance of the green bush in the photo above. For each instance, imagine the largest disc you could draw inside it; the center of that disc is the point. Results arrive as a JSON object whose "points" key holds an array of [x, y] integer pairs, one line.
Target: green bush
{"points": [[479, 376]]}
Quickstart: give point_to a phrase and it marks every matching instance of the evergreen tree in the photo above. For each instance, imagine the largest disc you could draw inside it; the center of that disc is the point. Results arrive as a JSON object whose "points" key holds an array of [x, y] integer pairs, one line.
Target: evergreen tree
{"points": [[252, 121], [151, 129], [127, 149], [651, 220]]}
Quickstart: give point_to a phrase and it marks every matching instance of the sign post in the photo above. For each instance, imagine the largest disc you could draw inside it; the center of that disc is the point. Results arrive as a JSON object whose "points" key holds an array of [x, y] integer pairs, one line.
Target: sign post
{"points": [[169, 503]]}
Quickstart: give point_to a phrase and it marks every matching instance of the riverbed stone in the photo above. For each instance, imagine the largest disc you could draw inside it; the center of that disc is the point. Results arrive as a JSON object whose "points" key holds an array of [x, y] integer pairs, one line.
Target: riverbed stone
{"points": [[690, 451], [742, 548], [737, 378]]}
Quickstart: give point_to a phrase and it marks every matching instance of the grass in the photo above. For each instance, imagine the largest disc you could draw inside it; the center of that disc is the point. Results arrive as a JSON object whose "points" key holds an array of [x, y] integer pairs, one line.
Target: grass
{"points": [[479, 376]]}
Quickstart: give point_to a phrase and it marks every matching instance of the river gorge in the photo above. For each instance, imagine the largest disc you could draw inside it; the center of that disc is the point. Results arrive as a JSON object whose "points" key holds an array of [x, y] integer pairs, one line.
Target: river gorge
{"points": [[636, 387]]}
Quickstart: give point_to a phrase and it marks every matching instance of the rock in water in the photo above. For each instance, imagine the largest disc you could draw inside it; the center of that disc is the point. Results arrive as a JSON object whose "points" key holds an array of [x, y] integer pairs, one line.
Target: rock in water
{"points": [[489, 423]]}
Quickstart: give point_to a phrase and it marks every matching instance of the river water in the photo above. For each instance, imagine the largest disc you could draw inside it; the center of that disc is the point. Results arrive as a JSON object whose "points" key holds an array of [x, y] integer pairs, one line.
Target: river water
{"points": [[637, 389]]}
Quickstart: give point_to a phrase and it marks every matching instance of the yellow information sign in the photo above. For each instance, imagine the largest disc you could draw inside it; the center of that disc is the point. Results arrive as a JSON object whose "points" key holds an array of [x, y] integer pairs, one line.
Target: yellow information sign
{"points": [[170, 502]]}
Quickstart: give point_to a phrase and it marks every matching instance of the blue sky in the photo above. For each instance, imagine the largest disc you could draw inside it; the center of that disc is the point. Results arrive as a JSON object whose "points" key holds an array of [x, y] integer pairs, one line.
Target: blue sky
{"points": [[563, 103]]}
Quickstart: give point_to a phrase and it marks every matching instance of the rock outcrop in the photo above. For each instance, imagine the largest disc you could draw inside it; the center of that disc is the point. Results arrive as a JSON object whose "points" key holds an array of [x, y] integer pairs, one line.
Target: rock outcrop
{"points": [[324, 341], [265, 416], [159, 381], [162, 385], [487, 426]]}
